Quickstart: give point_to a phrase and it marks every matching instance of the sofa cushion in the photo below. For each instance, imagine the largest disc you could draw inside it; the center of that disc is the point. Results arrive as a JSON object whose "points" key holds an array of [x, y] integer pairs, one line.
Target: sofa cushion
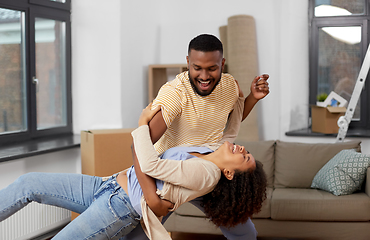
{"points": [[266, 205], [188, 209], [296, 164], [317, 205], [263, 151], [343, 174]]}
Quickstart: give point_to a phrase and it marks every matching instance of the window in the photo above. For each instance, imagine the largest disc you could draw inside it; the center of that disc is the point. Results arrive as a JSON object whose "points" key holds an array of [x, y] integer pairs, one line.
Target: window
{"points": [[35, 69], [338, 44]]}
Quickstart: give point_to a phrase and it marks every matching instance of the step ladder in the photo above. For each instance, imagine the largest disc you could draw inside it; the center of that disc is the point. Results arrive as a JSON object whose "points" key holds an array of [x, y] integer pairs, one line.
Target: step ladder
{"points": [[344, 121]]}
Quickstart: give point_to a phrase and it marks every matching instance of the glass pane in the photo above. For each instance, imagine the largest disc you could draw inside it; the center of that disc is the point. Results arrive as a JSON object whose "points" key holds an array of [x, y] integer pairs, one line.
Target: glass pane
{"points": [[13, 107], [50, 73], [62, 1], [325, 8], [339, 61]]}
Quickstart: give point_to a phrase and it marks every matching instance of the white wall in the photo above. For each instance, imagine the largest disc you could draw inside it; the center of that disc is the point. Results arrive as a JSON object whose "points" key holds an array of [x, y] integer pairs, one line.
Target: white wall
{"points": [[96, 64], [140, 41]]}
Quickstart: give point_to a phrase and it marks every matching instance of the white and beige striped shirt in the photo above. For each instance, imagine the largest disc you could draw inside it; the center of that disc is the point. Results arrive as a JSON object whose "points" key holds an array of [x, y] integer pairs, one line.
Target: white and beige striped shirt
{"points": [[191, 118]]}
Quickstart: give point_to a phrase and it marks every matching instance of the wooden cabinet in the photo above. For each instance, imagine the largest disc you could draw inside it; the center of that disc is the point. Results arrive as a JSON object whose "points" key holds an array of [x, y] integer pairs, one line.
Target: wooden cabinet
{"points": [[159, 74]]}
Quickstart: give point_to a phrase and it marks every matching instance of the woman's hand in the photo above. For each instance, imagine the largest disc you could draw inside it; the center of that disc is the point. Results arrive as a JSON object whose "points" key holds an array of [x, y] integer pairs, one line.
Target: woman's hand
{"points": [[147, 114], [161, 207]]}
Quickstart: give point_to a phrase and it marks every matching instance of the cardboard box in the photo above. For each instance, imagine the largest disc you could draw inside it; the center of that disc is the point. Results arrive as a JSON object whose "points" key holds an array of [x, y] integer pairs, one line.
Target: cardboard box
{"points": [[105, 152], [324, 119]]}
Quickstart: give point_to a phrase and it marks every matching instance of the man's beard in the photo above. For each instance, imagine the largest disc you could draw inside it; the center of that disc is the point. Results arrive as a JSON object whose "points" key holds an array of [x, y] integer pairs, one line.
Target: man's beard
{"points": [[203, 94]]}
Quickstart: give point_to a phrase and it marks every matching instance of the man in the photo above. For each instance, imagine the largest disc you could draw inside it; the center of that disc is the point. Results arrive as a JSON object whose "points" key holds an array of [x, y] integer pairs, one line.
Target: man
{"points": [[194, 110]]}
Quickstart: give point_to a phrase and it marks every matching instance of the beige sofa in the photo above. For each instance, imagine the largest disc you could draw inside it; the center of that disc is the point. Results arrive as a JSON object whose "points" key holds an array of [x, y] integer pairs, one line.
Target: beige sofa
{"points": [[292, 208]]}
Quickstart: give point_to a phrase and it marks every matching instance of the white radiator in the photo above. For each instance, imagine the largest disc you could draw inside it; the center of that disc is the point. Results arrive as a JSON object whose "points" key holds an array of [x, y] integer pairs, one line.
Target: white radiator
{"points": [[33, 220]]}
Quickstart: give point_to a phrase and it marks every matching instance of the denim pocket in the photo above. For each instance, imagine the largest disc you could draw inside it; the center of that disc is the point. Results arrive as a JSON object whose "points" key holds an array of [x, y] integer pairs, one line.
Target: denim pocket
{"points": [[104, 187], [126, 220]]}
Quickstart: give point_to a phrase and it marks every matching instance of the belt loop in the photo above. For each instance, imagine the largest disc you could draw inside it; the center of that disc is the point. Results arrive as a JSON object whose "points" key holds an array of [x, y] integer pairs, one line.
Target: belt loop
{"points": [[104, 179]]}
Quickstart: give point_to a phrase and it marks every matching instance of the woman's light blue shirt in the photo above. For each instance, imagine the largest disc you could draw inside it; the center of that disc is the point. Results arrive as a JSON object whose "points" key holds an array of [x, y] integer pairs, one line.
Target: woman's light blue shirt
{"points": [[177, 153]]}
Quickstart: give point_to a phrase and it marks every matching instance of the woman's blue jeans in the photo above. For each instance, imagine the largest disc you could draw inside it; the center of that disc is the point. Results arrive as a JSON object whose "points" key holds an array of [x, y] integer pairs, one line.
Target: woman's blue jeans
{"points": [[104, 207]]}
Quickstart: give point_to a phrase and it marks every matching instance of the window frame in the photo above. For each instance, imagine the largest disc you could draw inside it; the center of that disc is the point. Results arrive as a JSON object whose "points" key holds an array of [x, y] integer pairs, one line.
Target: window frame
{"points": [[65, 6], [316, 23], [49, 10]]}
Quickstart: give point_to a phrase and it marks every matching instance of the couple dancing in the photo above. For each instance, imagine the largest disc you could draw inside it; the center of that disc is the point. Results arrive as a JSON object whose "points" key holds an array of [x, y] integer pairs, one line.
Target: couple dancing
{"points": [[222, 179]]}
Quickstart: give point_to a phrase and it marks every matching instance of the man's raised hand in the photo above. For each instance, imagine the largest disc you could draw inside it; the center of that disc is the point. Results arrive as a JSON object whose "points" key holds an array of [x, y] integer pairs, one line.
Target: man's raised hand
{"points": [[260, 86]]}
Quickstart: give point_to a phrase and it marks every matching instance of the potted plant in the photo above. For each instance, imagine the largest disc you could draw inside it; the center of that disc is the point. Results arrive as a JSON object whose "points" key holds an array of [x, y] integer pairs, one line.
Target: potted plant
{"points": [[320, 99]]}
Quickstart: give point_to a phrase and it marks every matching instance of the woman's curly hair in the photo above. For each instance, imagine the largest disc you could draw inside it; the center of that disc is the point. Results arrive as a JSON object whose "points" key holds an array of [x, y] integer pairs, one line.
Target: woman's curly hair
{"points": [[234, 201]]}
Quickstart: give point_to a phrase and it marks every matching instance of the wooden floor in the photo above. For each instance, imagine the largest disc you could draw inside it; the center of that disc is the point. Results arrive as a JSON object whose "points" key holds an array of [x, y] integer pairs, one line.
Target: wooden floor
{"points": [[184, 236], [194, 236]]}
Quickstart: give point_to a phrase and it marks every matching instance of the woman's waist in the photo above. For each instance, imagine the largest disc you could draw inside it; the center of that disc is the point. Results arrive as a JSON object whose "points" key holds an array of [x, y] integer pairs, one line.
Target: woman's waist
{"points": [[122, 180]]}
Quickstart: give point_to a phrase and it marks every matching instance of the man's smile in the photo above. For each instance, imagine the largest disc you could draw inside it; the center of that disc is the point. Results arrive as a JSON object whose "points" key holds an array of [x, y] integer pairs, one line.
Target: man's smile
{"points": [[204, 85]]}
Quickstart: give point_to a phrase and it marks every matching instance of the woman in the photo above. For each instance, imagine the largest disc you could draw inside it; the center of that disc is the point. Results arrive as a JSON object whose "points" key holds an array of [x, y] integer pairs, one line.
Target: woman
{"points": [[106, 208], [184, 181]]}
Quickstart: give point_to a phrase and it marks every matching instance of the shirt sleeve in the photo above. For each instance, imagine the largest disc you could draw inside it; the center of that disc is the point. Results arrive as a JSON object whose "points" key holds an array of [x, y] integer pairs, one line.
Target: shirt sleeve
{"points": [[233, 124], [170, 100], [195, 174]]}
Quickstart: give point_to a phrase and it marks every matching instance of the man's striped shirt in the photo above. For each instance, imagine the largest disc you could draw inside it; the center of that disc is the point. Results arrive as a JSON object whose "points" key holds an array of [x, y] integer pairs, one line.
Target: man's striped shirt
{"points": [[191, 118]]}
